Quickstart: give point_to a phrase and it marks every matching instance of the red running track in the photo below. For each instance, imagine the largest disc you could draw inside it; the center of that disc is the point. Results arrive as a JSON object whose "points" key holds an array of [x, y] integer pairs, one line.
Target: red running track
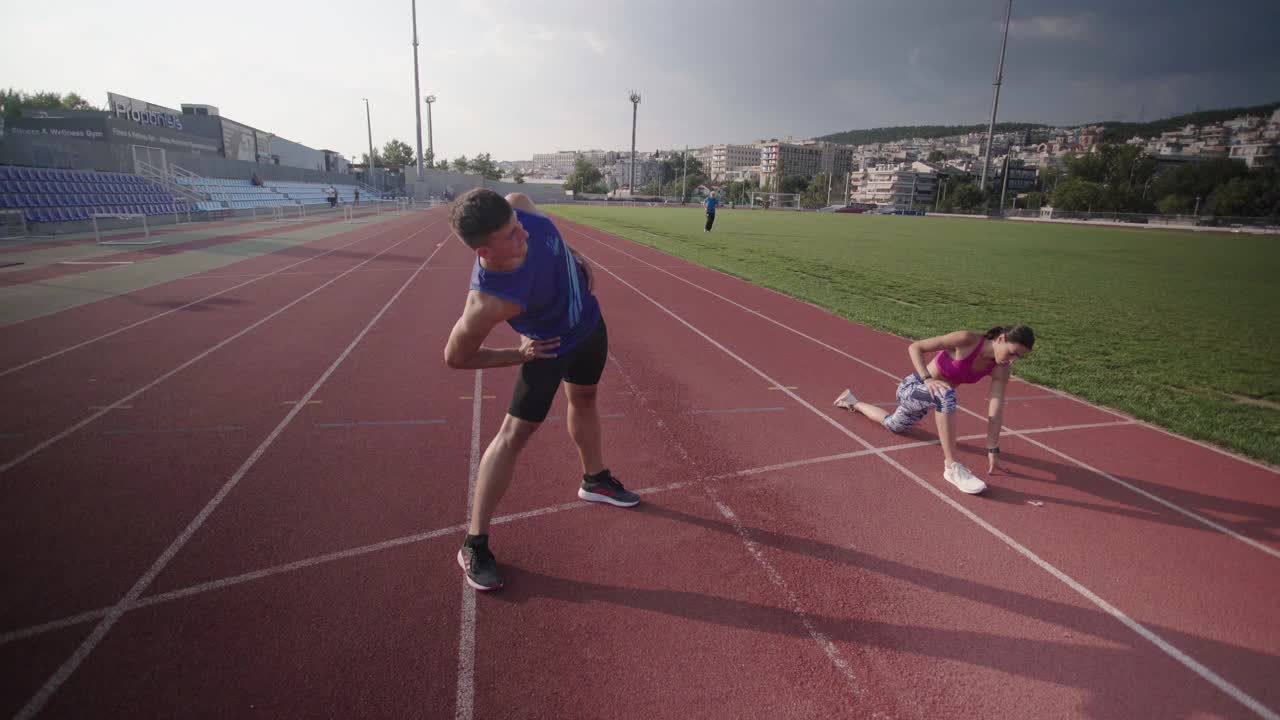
{"points": [[208, 546]]}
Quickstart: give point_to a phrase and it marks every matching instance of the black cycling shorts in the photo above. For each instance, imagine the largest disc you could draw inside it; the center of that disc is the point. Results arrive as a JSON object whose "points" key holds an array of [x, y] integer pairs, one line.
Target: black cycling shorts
{"points": [[540, 379]]}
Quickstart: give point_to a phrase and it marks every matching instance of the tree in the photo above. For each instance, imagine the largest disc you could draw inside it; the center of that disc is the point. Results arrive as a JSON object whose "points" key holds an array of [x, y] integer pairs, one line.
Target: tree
{"points": [[1233, 197], [793, 184], [1175, 205], [396, 155], [12, 102], [1077, 194], [585, 178], [816, 194], [937, 156], [966, 197], [460, 164], [377, 159], [517, 177], [484, 166]]}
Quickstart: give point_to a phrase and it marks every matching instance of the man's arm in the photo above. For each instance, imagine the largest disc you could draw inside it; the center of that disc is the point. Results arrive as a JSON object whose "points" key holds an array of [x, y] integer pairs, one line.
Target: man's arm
{"points": [[482, 313], [522, 201]]}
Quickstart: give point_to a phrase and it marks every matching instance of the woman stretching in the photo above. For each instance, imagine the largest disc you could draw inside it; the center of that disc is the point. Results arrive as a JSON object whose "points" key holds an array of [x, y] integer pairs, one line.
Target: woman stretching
{"points": [[963, 358]]}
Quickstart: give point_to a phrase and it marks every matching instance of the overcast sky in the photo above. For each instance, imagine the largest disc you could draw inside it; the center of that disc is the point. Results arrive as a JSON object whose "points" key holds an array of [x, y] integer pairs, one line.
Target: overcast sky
{"points": [[515, 77]]}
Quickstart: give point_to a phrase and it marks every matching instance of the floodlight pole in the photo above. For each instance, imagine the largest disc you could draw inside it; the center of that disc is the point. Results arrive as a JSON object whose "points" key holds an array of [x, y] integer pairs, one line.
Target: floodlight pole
{"points": [[431, 148], [995, 102], [417, 109], [1004, 184], [369, 124], [684, 191], [635, 108]]}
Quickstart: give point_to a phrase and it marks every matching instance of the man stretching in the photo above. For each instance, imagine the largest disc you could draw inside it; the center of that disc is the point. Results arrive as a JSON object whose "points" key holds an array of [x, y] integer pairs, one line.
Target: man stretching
{"points": [[526, 276]]}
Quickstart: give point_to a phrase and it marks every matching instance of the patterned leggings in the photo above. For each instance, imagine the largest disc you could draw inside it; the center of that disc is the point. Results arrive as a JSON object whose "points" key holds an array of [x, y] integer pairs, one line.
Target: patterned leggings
{"points": [[915, 401]]}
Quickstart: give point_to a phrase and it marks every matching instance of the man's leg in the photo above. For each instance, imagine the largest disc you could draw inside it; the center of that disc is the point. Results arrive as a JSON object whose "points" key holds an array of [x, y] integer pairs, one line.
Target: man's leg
{"points": [[586, 365], [493, 477], [584, 426], [497, 467], [711, 220]]}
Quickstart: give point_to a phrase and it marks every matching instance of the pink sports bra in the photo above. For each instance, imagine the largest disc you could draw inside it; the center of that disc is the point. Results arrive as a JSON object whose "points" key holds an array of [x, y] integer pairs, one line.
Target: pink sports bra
{"points": [[961, 372]]}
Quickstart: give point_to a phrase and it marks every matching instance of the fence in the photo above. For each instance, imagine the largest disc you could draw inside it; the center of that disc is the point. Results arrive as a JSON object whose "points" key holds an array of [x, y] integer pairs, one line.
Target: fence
{"points": [[1219, 222]]}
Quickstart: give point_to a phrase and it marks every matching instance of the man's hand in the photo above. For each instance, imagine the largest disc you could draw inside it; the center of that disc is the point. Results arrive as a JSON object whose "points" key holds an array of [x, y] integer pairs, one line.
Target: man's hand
{"points": [[531, 349]]}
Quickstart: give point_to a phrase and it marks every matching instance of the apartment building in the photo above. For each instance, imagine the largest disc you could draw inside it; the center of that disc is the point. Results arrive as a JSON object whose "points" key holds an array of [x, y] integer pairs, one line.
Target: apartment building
{"points": [[901, 186], [726, 159]]}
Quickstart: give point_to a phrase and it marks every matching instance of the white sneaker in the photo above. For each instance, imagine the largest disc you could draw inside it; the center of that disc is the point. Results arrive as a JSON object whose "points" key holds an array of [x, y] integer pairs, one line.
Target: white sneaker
{"points": [[962, 478], [846, 400]]}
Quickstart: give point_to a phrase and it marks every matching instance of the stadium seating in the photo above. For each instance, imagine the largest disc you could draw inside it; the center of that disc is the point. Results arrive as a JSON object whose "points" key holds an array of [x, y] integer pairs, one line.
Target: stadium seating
{"points": [[318, 193], [47, 195], [234, 194]]}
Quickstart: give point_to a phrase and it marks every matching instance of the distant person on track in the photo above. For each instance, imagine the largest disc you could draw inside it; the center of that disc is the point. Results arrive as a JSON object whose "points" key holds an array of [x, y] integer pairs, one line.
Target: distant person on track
{"points": [[357, 195], [711, 204], [527, 276], [963, 358]]}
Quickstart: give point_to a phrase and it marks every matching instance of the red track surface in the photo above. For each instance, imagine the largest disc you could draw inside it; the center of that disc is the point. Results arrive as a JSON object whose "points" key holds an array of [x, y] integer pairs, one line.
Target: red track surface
{"points": [[207, 547]]}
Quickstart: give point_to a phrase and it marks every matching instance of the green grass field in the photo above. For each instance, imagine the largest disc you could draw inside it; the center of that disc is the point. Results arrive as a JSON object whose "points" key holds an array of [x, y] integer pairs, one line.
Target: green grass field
{"points": [[1180, 329]]}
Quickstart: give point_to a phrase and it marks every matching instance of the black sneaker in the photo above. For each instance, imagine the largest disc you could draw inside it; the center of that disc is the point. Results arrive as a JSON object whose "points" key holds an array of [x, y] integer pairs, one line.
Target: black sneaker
{"points": [[605, 488], [480, 566]]}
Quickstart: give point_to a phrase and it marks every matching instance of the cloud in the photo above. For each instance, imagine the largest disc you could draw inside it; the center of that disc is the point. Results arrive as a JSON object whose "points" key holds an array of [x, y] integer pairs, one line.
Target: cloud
{"points": [[595, 42], [1054, 27]]}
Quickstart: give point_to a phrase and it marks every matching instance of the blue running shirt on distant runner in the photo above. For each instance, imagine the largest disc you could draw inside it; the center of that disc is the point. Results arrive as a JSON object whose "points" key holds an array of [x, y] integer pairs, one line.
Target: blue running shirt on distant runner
{"points": [[549, 285]]}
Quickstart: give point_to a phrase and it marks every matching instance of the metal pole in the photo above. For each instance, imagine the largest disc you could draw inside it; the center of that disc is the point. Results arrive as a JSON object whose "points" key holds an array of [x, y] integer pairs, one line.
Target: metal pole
{"points": [[995, 102], [1004, 185], [417, 109], [369, 124], [635, 107], [684, 191], [431, 148]]}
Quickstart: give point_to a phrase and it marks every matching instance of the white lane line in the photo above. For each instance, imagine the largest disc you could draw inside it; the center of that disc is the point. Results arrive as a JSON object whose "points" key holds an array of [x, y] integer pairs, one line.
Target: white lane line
{"points": [[229, 581], [603, 416], [738, 410], [464, 704], [127, 398], [117, 331], [165, 431], [64, 672], [1010, 430], [794, 605], [1273, 552], [1187, 661], [379, 423], [98, 262]]}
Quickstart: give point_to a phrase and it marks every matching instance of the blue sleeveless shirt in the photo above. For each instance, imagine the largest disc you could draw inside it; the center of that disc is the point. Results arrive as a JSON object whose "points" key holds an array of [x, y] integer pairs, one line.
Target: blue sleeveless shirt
{"points": [[549, 285]]}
